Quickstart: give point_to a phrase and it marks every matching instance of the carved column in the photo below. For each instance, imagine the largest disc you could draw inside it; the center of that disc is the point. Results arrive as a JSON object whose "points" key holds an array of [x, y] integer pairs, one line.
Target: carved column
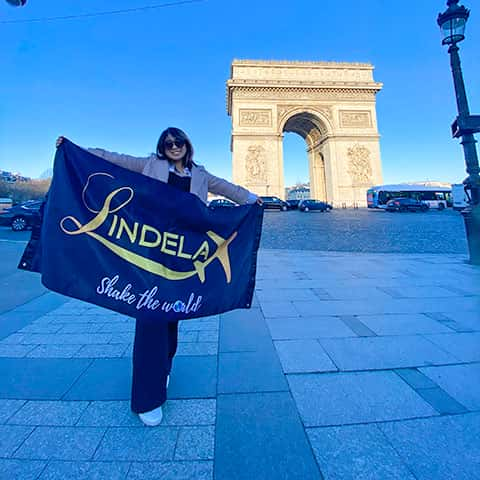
{"points": [[258, 163], [316, 163], [360, 171]]}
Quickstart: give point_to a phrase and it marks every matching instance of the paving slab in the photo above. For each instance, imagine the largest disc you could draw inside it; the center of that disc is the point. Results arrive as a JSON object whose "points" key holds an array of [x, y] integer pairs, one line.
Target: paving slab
{"points": [[243, 331], [424, 292], [122, 327], [280, 308], [415, 378], [13, 321], [332, 399], [104, 379], [250, 372], [260, 436], [358, 293], [378, 353], [78, 328], [193, 377], [171, 471], [401, 324], [297, 356], [197, 348], [8, 408], [109, 414], [61, 443], [356, 452], [184, 412], [31, 288], [11, 469], [15, 351], [54, 351], [464, 346], [39, 378], [85, 471], [138, 444], [101, 351], [38, 326], [193, 412], [357, 327], [195, 443], [11, 438], [361, 307], [465, 321], [45, 303], [287, 294], [206, 336], [459, 381], [200, 324], [441, 401], [442, 448], [48, 413], [66, 338], [291, 328]]}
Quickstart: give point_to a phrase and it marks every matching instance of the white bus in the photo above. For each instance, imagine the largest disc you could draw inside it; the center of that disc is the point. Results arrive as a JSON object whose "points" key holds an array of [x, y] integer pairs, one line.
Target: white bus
{"points": [[436, 197]]}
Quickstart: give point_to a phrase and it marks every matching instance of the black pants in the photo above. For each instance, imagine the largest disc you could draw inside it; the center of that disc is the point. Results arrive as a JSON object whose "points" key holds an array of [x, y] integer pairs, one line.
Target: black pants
{"points": [[153, 350]]}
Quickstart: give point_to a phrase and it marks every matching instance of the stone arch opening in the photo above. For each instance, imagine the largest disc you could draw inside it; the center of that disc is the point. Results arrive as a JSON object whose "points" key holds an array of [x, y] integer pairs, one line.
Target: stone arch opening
{"points": [[313, 130]]}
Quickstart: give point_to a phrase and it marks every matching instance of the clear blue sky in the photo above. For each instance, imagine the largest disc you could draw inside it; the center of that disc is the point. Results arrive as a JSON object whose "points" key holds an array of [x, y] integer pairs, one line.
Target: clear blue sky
{"points": [[117, 81]]}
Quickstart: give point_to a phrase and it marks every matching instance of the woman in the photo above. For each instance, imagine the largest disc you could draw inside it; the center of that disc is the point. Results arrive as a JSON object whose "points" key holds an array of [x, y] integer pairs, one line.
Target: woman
{"points": [[156, 343]]}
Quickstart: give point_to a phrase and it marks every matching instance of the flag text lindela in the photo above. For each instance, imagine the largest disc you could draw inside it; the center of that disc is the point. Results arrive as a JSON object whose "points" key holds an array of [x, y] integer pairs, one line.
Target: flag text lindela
{"points": [[169, 243]]}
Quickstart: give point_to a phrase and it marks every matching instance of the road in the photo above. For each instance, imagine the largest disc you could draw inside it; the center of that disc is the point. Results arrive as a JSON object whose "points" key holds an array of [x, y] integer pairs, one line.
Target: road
{"points": [[365, 230], [349, 230], [16, 286]]}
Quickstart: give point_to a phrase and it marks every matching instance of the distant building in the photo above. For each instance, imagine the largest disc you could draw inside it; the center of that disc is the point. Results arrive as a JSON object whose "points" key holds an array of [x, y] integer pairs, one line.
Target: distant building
{"points": [[298, 192], [11, 177], [7, 177]]}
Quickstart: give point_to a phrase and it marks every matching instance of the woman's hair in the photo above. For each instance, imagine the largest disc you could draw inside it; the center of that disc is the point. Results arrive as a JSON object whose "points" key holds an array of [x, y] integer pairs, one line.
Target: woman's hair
{"points": [[180, 135]]}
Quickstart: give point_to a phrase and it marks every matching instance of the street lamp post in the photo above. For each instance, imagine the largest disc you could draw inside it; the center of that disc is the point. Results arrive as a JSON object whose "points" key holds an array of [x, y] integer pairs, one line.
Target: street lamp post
{"points": [[452, 24]]}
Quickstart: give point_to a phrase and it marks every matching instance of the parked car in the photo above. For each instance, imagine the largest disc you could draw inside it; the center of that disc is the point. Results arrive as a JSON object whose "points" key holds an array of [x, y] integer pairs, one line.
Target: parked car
{"points": [[274, 203], [22, 215], [310, 204], [406, 205], [221, 202], [293, 204]]}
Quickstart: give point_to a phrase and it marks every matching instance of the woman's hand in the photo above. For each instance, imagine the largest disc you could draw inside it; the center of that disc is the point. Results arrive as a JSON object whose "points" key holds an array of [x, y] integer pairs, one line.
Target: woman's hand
{"points": [[59, 141]]}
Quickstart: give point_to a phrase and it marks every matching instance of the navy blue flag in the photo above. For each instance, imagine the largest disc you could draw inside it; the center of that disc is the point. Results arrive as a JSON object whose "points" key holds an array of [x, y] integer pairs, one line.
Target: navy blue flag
{"points": [[133, 244]]}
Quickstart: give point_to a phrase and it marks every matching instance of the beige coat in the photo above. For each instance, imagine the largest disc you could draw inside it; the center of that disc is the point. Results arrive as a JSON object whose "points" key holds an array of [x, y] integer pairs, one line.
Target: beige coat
{"points": [[202, 181]]}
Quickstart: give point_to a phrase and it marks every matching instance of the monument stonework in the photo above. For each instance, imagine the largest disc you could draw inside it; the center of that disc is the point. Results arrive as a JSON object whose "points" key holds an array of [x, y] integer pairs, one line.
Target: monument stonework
{"points": [[331, 105]]}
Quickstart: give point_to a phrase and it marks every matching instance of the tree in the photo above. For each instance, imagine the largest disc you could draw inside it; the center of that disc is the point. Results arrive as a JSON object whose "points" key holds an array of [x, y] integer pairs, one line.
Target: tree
{"points": [[23, 191]]}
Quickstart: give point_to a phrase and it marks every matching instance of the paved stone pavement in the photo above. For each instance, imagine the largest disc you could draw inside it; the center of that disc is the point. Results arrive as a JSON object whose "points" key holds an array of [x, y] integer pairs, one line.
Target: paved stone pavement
{"points": [[348, 366]]}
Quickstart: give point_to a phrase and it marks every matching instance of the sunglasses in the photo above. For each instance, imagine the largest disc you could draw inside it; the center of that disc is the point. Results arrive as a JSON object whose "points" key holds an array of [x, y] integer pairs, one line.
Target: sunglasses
{"points": [[178, 142]]}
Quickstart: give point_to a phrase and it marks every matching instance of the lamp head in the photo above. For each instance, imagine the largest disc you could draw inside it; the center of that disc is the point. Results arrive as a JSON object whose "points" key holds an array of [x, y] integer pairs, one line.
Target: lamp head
{"points": [[452, 22], [17, 3]]}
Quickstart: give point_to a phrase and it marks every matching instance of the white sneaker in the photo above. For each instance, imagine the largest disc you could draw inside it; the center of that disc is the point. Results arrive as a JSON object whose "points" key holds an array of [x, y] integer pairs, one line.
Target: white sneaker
{"points": [[168, 380], [152, 418]]}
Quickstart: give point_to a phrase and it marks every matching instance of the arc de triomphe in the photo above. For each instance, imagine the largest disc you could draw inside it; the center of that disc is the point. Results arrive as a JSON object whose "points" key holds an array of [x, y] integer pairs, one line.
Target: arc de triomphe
{"points": [[331, 105]]}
